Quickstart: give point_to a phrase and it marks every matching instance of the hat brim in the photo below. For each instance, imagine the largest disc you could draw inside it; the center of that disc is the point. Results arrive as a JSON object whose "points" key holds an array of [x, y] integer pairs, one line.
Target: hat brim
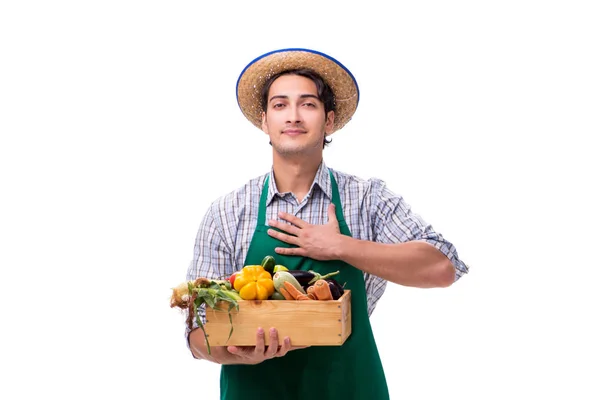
{"points": [[254, 76]]}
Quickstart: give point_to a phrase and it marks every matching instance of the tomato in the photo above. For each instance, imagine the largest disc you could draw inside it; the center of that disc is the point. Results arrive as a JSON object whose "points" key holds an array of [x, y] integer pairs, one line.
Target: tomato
{"points": [[232, 278]]}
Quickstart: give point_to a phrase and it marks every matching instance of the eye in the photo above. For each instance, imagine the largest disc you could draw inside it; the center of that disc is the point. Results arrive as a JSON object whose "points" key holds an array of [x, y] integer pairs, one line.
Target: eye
{"points": [[278, 105], [309, 104]]}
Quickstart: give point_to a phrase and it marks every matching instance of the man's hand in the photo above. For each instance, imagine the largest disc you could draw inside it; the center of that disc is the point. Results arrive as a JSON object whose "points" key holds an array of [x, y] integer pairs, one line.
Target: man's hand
{"points": [[242, 354], [319, 242], [260, 353]]}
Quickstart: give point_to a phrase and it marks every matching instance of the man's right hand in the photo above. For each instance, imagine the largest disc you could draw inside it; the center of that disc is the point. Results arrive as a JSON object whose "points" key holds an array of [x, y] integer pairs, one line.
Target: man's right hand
{"points": [[241, 354]]}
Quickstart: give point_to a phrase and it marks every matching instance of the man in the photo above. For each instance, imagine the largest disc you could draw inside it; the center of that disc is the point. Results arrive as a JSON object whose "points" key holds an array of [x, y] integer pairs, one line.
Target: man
{"points": [[312, 217]]}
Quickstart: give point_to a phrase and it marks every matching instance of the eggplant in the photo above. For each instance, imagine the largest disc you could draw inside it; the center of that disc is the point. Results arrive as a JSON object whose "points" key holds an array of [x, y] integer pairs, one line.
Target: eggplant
{"points": [[336, 289], [303, 277], [307, 278]]}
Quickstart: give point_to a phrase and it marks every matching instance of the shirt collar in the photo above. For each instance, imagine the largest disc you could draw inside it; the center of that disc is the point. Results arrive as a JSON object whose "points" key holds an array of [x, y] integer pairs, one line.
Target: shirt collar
{"points": [[322, 180]]}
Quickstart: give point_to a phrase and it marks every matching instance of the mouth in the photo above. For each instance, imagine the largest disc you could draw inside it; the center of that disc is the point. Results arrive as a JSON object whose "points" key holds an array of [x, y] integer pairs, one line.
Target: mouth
{"points": [[293, 132]]}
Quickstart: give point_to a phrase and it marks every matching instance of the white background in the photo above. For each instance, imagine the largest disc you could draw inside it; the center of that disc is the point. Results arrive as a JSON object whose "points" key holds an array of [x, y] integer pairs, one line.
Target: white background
{"points": [[119, 125]]}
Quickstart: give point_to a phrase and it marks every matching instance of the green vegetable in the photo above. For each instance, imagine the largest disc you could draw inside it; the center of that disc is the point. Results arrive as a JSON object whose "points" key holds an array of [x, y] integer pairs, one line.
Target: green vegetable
{"points": [[277, 296], [280, 277], [278, 268], [211, 293], [268, 263]]}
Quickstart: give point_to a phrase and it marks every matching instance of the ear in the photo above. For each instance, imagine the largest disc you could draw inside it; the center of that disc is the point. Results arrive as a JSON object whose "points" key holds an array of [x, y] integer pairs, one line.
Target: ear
{"points": [[264, 126], [329, 122]]}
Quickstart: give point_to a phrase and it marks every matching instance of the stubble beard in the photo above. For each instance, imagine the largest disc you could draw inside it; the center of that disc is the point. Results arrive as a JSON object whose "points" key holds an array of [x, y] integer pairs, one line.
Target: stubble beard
{"points": [[294, 149]]}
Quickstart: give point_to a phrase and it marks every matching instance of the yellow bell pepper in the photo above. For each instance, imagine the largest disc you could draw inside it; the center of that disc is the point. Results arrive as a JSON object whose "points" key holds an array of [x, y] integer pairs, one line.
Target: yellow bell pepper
{"points": [[254, 283]]}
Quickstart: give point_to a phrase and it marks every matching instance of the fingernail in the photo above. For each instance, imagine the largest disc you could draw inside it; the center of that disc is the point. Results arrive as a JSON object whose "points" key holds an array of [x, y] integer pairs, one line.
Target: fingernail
{"points": [[272, 330], [261, 331]]}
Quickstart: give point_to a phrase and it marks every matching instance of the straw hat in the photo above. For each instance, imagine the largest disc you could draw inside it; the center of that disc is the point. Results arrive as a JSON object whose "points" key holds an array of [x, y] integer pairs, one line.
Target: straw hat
{"points": [[338, 77]]}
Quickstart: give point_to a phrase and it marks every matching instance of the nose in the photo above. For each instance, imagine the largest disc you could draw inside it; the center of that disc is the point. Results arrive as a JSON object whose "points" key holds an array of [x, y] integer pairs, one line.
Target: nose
{"points": [[294, 116]]}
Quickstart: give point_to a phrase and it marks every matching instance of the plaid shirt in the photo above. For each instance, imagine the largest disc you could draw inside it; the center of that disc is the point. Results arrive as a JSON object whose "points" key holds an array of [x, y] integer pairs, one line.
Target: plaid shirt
{"points": [[371, 211]]}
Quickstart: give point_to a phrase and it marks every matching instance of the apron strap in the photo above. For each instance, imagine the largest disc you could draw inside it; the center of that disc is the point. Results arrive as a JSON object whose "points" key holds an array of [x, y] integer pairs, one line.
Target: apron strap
{"points": [[335, 198], [262, 206]]}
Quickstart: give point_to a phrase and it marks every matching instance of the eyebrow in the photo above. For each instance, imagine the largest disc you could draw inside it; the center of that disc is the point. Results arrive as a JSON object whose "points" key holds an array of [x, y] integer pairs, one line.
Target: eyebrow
{"points": [[302, 96]]}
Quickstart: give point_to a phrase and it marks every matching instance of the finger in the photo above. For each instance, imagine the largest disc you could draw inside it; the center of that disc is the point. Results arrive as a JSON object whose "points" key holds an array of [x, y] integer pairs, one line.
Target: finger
{"points": [[291, 251], [291, 229], [239, 351], [298, 347], [274, 344], [260, 342], [293, 219], [287, 345], [283, 237]]}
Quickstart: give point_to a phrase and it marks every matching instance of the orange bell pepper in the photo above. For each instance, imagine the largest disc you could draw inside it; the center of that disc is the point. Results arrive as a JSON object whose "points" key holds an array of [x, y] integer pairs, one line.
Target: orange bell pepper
{"points": [[254, 283]]}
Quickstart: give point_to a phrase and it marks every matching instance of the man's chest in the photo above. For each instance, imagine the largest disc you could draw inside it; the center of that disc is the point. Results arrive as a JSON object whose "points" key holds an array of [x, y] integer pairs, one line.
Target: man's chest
{"points": [[313, 210]]}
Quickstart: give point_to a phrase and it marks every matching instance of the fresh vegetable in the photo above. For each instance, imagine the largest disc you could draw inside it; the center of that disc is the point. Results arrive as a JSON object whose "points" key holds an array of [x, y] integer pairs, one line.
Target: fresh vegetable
{"points": [[277, 296], [226, 285], [286, 294], [191, 295], [310, 292], [336, 289], [322, 291], [278, 268], [284, 276], [254, 283], [307, 278], [232, 278], [294, 292], [268, 263]]}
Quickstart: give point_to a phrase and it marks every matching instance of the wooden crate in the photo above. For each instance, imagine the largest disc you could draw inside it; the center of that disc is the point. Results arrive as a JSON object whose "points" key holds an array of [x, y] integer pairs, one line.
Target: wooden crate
{"points": [[312, 323]]}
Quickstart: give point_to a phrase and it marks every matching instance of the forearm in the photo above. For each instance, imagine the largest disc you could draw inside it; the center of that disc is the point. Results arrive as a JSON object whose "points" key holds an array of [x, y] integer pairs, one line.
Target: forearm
{"points": [[247, 355], [415, 263], [218, 354]]}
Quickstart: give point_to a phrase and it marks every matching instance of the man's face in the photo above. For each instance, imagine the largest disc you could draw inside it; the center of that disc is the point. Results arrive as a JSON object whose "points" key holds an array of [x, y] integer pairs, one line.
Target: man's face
{"points": [[295, 118]]}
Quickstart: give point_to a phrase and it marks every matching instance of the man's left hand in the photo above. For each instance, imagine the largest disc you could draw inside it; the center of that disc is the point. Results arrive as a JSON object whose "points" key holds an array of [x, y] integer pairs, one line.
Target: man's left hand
{"points": [[319, 242]]}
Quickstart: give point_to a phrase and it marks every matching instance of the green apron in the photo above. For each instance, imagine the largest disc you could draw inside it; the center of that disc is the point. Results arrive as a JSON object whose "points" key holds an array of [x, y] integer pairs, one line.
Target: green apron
{"points": [[350, 371]]}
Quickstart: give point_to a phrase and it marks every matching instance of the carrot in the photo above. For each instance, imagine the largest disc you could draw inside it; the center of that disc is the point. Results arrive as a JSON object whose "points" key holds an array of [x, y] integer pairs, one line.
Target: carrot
{"points": [[296, 294], [322, 290], [310, 292], [286, 294]]}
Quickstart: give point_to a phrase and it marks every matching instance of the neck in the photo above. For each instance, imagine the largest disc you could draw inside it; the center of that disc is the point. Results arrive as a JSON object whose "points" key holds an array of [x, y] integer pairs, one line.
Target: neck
{"points": [[295, 176]]}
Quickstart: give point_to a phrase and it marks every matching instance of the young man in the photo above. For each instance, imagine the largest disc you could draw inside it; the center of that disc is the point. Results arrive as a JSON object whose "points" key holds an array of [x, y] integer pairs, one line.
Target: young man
{"points": [[312, 217]]}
